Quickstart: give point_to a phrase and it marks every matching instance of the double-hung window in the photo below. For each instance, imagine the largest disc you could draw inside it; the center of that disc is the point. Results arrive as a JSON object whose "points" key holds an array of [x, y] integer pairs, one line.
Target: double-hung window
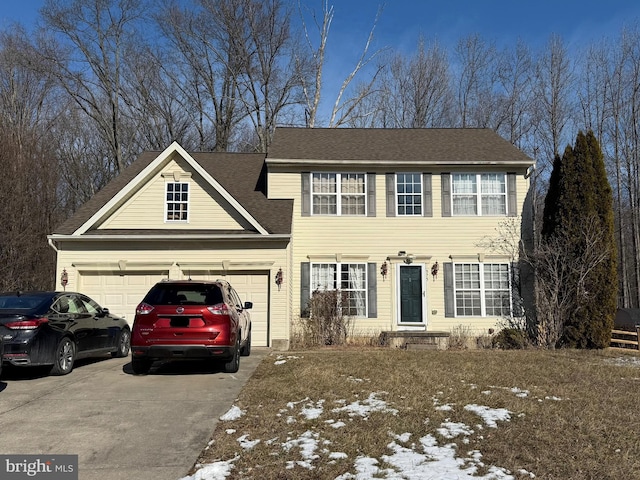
{"points": [[338, 193], [177, 201], [409, 194], [479, 194], [348, 278], [482, 289]]}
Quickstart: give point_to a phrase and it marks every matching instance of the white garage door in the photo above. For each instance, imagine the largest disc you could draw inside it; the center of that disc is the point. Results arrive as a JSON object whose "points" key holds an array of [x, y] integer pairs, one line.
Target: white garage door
{"points": [[121, 294], [252, 287]]}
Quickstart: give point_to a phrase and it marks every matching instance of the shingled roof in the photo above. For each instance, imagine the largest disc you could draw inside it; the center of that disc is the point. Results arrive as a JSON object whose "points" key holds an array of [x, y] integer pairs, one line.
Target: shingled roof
{"points": [[241, 175], [436, 146]]}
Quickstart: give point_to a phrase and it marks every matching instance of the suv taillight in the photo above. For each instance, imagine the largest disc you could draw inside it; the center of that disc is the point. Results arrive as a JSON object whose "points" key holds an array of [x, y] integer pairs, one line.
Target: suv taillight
{"points": [[219, 309], [30, 324], [144, 309]]}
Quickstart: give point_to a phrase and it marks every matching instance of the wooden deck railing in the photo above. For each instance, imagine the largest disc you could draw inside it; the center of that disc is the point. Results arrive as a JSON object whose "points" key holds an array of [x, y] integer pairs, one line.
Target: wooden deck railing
{"points": [[624, 339]]}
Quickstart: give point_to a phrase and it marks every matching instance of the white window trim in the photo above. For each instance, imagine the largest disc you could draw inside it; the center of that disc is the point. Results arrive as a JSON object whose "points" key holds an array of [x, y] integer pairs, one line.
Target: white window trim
{"points": [[166, 202], [337, 279], [338, 194], [420, 195], [478, 195], [483, 290]]}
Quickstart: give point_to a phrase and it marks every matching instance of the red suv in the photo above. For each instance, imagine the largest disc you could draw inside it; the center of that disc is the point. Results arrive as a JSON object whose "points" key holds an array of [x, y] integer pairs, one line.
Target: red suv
{"points": [[191, 319]]}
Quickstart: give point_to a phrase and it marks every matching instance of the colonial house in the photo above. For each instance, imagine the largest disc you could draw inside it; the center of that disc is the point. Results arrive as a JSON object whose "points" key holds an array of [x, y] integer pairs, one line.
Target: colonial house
{"points": [[395, 218]]}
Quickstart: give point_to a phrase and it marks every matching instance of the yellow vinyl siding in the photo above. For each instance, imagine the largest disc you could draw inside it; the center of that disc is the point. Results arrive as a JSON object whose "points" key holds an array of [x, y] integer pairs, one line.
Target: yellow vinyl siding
{"points": [[146, 208], [374, 239], [177, 261]]}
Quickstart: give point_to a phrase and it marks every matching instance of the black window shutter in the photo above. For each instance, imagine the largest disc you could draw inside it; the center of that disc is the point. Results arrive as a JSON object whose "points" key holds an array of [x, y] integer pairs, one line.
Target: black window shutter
{"points": [[427, 199], [512, 199], [449, 304], [306, 194], [372, 293], [446, 194], [391, 194], [305, 288], [371, 194]]}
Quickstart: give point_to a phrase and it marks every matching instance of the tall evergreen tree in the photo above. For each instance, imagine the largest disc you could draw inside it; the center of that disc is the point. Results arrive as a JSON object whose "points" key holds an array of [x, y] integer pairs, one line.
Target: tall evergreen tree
{"points": [[579, 212]]}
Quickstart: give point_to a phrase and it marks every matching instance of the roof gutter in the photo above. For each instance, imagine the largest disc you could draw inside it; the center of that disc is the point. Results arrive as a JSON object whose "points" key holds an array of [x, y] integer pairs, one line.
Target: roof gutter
{"points": [[288, 162], [159, 238]]}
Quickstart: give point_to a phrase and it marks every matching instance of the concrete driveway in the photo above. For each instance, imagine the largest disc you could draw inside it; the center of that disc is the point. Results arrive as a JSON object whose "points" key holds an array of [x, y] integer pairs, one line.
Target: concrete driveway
{"points": [[121, 426]]}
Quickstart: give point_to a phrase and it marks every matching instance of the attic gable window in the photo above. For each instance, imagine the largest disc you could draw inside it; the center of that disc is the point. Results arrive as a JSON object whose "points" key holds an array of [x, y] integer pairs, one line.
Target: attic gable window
{"points": [[338, 193], [177, 201], [479, 194]]}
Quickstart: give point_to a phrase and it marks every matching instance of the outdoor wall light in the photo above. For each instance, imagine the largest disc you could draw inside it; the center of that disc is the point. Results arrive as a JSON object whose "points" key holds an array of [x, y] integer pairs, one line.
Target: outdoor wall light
{"points": [[434, 270], [64, 278], [384, 270], [402, 253]]}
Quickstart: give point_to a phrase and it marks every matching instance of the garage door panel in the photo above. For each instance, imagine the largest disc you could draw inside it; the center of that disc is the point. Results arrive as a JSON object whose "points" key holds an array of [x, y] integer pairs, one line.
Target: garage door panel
{"points": [[251, 287], [120, 293]]}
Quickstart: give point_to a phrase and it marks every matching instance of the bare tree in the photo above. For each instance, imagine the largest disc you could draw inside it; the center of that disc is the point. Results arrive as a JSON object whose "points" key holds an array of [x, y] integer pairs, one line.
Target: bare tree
{"points": [[311, 75], [515, 78], [553, 102], [28, 186], [205, 43], [562, 278], [475, 81], [415, 90], [161, 109], [96, 35]]}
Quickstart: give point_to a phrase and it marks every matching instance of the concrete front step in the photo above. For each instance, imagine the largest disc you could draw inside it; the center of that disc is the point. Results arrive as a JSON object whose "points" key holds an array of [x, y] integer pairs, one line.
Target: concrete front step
{"points": [[415, 340]]}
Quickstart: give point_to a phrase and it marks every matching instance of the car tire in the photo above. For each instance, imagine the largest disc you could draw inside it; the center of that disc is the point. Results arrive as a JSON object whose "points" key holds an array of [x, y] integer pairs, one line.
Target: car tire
{"points": [[123, 344], [233, 365], [64, 358], [141, 366], [246, 348]]}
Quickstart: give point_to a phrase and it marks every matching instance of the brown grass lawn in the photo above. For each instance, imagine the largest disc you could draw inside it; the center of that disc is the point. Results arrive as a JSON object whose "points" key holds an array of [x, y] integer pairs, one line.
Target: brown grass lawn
{"points": [[571, 415]]}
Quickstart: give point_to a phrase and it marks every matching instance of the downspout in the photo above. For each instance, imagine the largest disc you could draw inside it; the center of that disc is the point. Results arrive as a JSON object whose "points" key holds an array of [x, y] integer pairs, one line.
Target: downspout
{"points": [[52, 245]]}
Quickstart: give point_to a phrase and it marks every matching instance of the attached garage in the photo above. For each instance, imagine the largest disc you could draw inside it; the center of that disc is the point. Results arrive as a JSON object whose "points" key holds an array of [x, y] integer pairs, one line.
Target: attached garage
{"points": [[127, 237], [120, 292], [252, 287]]}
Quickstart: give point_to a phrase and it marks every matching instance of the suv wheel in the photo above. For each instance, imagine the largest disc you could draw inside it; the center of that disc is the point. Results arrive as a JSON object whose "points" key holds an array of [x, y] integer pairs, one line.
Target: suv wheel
{"points": [[140, 366], [233, 365]]}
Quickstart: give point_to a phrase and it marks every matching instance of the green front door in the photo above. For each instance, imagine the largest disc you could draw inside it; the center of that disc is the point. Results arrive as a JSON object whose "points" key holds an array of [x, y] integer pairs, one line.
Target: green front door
{"points": [[411, 294]]}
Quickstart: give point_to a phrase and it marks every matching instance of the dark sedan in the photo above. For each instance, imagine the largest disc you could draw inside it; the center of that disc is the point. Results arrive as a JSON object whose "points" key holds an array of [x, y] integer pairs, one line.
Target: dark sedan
{"points": [[58, 328]]}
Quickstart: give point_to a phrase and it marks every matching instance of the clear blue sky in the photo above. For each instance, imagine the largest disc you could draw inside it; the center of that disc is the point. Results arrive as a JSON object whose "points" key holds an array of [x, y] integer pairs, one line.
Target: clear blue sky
{"points": [[579, 22], [403, 21]]}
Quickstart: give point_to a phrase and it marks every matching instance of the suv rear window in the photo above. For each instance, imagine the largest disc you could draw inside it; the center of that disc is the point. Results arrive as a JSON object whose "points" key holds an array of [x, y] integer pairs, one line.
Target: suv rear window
{"points": [[184, 294]]}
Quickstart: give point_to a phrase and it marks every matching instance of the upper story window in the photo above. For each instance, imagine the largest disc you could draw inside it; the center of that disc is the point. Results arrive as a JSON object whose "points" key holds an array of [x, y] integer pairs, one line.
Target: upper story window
{"points": [[479, 194], [409, 194], [482, 289], [177, 201], [338, 193]]}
